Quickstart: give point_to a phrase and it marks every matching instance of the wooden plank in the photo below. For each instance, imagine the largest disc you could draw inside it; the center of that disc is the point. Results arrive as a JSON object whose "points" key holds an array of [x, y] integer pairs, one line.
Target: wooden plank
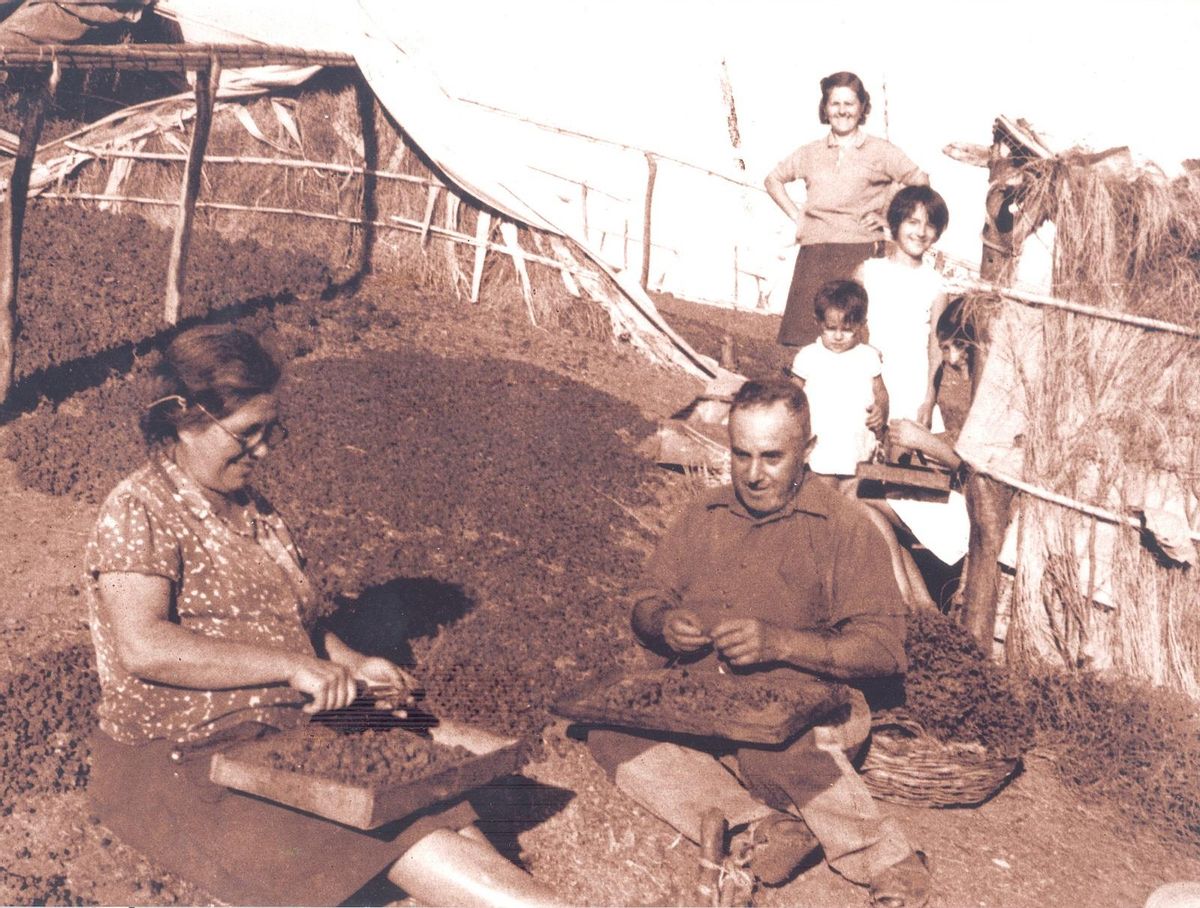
{"points": [[11, 225], [207, 81]]}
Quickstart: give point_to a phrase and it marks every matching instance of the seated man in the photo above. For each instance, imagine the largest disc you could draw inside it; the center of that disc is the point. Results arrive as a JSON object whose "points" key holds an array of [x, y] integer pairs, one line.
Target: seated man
{"points": [[780, 573]]}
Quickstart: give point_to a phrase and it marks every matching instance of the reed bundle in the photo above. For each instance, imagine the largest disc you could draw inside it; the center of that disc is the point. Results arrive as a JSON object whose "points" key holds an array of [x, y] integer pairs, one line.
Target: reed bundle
{"points": [[1112, 414]]}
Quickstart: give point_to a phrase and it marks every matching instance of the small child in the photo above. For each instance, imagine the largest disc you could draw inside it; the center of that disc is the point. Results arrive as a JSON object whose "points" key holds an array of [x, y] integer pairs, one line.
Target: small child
{"points": [[841, 376], [907, 298]]}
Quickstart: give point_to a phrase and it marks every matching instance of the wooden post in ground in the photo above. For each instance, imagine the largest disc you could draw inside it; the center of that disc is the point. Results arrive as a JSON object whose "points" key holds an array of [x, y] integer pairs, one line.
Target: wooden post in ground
{"points": [[651, 176], [483, 231], [207, 80], [13, 221], [989, 502]]}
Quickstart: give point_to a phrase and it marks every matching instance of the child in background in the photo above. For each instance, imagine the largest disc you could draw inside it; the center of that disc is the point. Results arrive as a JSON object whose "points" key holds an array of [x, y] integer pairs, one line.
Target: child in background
{"points": [[841, 377], [907, 299]]}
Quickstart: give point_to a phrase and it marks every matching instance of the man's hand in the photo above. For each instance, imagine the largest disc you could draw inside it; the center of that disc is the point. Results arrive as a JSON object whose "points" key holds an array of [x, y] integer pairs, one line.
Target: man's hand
{"points": [[925, 413], [682, 631], [748, 641]]}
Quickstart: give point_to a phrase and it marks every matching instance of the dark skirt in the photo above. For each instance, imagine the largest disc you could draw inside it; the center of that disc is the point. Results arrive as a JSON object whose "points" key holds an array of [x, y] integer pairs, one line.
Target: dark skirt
{"points": [[241, 849], [815, 266]]}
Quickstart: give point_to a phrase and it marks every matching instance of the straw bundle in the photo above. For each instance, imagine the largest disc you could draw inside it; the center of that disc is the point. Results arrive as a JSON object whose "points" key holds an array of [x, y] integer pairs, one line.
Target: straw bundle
{"points": [[1112, 415]]}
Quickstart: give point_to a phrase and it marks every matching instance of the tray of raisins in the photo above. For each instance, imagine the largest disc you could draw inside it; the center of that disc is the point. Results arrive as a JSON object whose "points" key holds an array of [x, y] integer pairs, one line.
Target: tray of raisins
{"points": [[367, 777], [756, 708]]}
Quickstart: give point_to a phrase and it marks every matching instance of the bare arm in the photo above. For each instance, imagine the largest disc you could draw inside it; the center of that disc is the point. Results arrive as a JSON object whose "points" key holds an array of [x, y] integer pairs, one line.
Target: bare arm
{"points": [[154, 648], [777, 190], [909, 434], [877, 413], [935, 360], [855, 652]]}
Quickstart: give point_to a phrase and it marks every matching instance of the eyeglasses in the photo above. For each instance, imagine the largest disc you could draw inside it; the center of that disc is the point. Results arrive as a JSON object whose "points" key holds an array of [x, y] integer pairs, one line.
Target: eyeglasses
{"points": [[272, 434]]}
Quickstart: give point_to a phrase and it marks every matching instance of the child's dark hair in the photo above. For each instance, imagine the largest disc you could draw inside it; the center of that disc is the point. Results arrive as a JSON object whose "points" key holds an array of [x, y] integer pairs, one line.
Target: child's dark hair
{"points": [[216, 366], [847, 297], [906, 201], [954, 325]]}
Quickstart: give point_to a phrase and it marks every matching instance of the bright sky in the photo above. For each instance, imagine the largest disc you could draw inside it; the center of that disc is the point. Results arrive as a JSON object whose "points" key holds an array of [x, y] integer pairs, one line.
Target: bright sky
{"points": [[1107, 72]]}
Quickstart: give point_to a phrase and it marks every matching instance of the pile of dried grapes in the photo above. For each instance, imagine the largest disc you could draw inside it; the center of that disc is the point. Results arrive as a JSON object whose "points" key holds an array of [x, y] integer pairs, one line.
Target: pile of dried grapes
{"points": [[372, 758], [91, 282]]}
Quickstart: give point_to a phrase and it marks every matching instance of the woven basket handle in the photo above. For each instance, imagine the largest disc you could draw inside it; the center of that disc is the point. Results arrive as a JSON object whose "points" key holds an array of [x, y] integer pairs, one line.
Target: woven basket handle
{"points": [[898, 719]]}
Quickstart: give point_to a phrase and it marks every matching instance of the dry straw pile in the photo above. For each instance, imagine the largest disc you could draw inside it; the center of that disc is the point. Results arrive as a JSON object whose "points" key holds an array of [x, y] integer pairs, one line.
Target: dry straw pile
{"points": [[1113, 410]]}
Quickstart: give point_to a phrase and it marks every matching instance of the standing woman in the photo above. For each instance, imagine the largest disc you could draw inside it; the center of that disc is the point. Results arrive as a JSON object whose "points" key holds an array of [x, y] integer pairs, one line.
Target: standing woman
{"points": [[849, 179]]}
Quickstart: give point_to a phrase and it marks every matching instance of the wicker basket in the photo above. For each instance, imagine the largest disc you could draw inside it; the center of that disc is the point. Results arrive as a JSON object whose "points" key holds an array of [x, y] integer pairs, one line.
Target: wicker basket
{"points": [[907, 765]]}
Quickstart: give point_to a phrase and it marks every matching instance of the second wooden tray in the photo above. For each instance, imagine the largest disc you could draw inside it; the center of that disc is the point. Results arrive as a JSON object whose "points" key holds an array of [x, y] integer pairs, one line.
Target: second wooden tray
{"points": [[754, 708]]}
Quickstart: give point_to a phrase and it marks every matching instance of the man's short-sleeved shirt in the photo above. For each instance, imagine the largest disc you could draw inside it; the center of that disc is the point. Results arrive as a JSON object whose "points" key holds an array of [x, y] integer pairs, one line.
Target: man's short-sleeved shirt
{"points": [[840, 388], [818, 564], [229, 580], [843, 183]]}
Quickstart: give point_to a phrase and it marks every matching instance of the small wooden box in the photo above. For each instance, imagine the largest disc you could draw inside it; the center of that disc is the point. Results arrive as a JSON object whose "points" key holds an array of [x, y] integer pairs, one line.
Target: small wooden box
{"points": [[902, 480]]}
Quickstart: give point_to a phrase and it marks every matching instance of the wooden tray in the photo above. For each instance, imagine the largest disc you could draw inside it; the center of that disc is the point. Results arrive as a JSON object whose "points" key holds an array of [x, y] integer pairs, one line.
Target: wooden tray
{"points": [[907, 475], [773, 723], [245, 768]]}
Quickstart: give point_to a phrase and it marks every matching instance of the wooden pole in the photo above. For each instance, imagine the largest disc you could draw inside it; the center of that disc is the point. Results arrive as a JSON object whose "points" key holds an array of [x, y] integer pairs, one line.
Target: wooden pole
{"points": [[989, 502], [207, 80], [508, 231], [483, 230], [13, 221], [651, 176]]}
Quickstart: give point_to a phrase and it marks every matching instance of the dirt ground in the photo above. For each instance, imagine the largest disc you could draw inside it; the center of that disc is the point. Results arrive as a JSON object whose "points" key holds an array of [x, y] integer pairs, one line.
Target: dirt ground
{"points": [[1034, 845]]}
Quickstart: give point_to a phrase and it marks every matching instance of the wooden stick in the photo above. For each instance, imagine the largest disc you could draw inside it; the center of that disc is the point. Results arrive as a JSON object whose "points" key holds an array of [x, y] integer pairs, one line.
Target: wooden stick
{"points": [[483, 230], [611, 142], [583, 194], [1072, 504], [207, 81], [1040, 299], [430, 203], [164, 57], [295, 163], [395, 222], [508, 230], [10, 228], [651, 176]]}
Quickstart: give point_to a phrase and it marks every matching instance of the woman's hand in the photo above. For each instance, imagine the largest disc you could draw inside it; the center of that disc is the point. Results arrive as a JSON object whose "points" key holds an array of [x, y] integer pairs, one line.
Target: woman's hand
{"points": [[330, 685], [872, 221], [799, 221], [378, 671]]}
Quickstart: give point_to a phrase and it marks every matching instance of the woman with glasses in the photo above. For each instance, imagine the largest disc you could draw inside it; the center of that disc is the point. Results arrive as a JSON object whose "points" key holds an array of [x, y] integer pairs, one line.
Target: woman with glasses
{"points": [[197, 604]]}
